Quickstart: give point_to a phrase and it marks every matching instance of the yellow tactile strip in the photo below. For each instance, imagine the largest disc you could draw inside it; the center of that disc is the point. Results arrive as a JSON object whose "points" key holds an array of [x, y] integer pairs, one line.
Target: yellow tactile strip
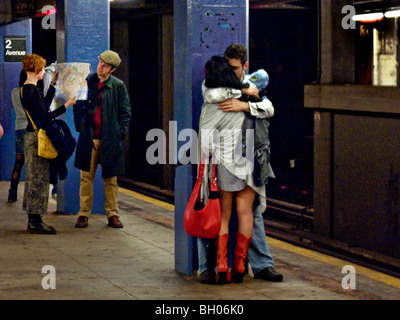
{"points": [[372, 274]]}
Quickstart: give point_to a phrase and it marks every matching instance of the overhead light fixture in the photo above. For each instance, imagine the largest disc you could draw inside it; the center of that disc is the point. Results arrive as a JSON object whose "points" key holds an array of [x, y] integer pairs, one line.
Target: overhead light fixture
{"points": [[48, 12], [368, 17], [392, 14]]}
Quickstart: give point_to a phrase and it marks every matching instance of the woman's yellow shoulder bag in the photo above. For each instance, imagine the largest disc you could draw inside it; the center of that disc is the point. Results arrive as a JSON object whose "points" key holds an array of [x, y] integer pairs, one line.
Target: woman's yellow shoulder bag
{"points": [[45, 147]]}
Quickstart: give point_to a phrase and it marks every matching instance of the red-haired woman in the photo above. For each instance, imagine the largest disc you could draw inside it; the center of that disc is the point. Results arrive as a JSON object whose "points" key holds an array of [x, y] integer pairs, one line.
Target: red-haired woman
{"points": [[37, 170]]}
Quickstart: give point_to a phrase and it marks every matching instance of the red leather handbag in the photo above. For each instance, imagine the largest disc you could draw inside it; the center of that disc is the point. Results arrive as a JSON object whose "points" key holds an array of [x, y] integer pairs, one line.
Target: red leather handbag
{"points": [[199, 220]]}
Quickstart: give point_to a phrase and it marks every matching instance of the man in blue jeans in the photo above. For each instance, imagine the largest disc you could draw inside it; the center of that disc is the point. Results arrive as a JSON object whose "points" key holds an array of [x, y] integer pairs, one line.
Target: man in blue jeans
{"points": [[258, 253]]}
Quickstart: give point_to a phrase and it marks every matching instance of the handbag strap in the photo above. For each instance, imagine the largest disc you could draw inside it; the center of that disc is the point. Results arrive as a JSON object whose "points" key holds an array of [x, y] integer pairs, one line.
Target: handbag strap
{"points": [[33, 124], [213, 175]]}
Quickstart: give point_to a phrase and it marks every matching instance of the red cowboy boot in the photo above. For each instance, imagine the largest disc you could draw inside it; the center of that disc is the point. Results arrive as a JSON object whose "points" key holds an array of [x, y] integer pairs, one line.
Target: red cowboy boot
{"points": [[223, 275], [238, 268]]}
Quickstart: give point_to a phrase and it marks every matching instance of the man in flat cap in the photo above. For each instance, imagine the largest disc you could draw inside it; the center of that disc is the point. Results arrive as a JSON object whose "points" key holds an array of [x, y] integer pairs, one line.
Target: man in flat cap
{"points": [[102, 122]]}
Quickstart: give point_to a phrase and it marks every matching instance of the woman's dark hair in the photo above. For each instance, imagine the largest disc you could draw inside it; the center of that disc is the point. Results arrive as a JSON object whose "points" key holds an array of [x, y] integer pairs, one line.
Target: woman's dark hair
{"points": [[22, 78], [219, 73]]}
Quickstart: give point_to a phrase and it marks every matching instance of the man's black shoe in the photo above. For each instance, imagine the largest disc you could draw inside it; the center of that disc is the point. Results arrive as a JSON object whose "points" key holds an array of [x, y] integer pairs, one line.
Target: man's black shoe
{"points": [[208, 277], [269, 274]]}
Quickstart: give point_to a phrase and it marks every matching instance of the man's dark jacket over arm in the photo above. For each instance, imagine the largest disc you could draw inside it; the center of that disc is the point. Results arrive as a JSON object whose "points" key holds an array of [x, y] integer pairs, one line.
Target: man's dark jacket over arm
{"points": [[116, 114]]}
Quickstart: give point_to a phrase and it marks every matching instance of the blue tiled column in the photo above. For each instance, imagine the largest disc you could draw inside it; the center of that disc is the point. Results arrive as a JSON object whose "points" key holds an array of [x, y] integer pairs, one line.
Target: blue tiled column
{"points": [[83, 32], [202, 28], [9, 79]]}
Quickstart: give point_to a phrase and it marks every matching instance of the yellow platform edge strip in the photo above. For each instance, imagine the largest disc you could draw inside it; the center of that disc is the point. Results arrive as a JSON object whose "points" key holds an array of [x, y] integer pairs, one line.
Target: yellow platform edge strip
{"points": [[151, 200], [372, 274]]}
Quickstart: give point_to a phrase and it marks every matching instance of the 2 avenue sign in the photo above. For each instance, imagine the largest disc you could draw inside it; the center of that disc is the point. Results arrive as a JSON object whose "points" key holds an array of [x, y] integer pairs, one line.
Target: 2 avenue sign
{"points": [[14, 48]]}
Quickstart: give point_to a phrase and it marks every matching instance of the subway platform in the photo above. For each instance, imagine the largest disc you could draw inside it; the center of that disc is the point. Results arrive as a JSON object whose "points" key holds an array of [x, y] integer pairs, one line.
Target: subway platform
{"points": [[137, 262]]}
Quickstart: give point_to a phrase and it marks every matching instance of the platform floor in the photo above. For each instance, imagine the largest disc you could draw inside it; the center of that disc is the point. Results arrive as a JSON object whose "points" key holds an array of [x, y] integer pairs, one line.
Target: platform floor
{"points": [[137, 261]]}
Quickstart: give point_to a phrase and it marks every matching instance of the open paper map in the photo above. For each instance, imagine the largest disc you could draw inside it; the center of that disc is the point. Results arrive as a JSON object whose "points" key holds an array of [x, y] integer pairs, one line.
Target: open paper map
{"points": [[71, 81]]}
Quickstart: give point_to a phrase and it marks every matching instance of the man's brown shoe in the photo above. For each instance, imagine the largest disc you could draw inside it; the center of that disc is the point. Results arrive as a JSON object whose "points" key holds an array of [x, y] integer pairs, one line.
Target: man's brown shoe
{"points": [[114, 222], [82, 222]]}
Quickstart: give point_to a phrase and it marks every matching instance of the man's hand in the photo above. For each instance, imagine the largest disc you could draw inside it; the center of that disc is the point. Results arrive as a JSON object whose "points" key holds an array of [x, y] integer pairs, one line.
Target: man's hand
{"points": [[251, 91], [233, 105]]}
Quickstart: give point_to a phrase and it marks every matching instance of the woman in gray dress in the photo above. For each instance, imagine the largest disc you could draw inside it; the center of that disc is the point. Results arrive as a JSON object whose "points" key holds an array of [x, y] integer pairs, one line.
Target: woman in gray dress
{"points": [[221, 138]]}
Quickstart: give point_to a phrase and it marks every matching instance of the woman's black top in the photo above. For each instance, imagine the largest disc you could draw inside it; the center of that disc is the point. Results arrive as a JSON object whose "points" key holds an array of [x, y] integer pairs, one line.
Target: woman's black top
{"points": [[39, 106]]}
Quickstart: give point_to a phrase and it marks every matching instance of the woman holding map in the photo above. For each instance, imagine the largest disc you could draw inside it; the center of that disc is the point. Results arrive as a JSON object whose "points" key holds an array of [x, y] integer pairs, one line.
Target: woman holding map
{"points": [[37, 170]]}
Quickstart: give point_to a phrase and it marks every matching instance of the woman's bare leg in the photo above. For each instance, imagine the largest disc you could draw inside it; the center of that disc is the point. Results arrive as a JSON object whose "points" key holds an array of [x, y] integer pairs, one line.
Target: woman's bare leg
{"points": [[244, 207], [226, 210]]}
